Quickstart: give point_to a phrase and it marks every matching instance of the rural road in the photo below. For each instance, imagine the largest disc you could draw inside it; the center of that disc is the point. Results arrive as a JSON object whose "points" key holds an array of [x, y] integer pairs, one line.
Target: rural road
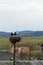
{"points": [[5, 56]]}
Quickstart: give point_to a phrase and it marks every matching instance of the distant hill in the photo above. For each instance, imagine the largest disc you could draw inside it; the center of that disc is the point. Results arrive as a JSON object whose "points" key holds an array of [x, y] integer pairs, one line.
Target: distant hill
{"points": [[4, 34], [23, 33], [37, 33], [30, 33]]}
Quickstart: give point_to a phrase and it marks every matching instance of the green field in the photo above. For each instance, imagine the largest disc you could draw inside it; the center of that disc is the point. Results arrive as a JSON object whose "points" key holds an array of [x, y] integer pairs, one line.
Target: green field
{"points": [[34, 43], [4, 43], [35, 46], [35, 39]]}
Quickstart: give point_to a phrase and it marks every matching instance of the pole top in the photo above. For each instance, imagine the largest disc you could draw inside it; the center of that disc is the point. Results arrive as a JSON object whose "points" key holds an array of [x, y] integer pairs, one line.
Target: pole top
{"points": [[14, 38]]}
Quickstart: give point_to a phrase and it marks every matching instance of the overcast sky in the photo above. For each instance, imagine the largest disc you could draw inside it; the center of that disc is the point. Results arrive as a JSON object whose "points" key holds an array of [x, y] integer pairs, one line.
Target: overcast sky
{"points": [[16, 15]]}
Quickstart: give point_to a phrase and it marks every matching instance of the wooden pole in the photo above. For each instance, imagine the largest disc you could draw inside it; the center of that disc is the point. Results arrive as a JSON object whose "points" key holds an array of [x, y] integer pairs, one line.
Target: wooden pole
{"points": [[14, 55], [13, 40]]}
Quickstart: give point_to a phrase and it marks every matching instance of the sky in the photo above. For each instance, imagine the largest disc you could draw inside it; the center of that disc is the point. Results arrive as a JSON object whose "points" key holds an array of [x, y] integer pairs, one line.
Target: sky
{"points": [[18, 15]]}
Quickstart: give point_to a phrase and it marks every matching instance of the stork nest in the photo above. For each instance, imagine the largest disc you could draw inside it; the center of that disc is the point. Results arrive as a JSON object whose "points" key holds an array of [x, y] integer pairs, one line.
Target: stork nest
{"points": [[14, 39]]}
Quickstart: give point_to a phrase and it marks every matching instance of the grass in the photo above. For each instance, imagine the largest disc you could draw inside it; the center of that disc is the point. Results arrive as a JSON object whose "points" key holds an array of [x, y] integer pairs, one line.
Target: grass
{"points": [[35, 39], [34, 42], [4, 43]]}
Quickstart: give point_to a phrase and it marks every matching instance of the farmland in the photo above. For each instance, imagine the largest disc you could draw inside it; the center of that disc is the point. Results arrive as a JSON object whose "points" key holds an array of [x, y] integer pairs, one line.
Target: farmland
{"points": [[4, 43], [33, 41]]}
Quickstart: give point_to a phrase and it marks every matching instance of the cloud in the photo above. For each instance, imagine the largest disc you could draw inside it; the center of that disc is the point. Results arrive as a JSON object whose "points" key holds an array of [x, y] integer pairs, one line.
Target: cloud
{"points": [[17, 5], [21, 14], [29, 6]]}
